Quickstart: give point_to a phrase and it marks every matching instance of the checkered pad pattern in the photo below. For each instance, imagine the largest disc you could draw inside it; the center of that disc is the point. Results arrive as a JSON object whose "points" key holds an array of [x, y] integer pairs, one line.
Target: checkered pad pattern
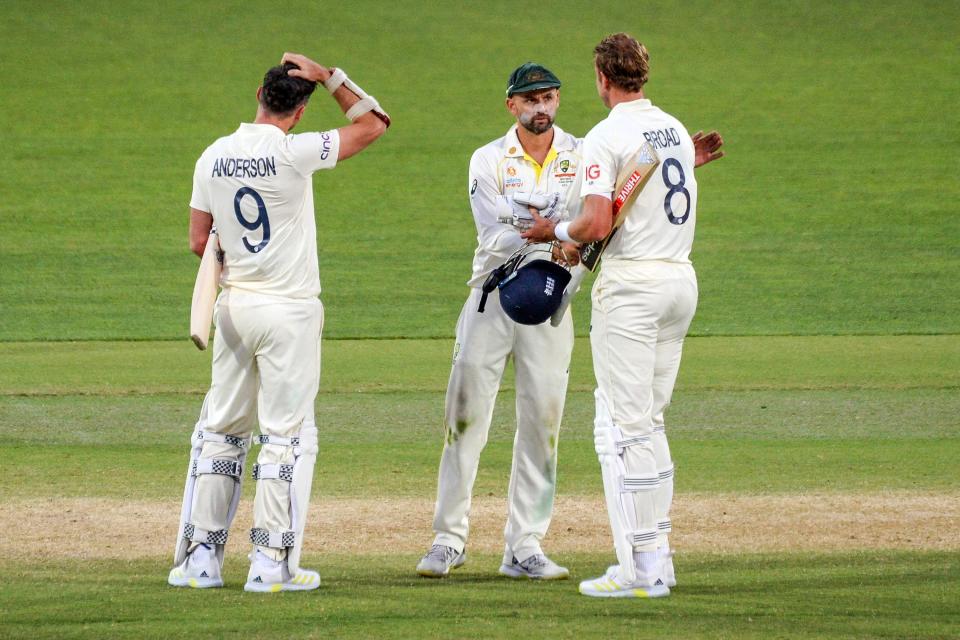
{"points": [[289, 442], [237, 441], [261, 538], [222, 466], [213, 537], [285, 473]]}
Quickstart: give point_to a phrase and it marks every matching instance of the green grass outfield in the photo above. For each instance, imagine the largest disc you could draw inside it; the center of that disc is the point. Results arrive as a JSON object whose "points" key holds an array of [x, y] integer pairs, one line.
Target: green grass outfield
{"points": [[833, 212], [887, 425], [755, 400], [755, 596]]}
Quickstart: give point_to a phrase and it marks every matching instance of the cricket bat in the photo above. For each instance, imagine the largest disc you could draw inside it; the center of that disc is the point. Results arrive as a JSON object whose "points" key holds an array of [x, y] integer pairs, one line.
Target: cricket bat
{"points": [[630, 182], [205, 291]]}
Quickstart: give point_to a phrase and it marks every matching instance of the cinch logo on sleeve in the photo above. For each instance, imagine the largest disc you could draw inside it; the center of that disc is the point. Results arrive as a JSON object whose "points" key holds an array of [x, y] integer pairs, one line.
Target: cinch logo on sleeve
{"points": [[325, 148]]}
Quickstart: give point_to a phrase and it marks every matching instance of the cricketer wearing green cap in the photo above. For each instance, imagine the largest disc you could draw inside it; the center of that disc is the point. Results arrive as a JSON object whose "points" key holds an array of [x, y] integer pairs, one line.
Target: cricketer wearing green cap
{"points": [[531, 76], [534, 164]]}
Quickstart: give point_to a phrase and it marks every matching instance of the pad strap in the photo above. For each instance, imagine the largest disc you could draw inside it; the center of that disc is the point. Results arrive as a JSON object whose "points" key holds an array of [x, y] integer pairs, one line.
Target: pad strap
{"points": [[605, 442], [275, 540], [210, 436], [273, 472], [630, 482], [196, 534], [641, 537], [222, 466], [277, 440]]}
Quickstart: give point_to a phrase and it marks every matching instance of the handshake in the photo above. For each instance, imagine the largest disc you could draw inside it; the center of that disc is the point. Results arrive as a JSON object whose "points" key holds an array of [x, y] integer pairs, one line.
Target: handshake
{"points": [[519, 204]]}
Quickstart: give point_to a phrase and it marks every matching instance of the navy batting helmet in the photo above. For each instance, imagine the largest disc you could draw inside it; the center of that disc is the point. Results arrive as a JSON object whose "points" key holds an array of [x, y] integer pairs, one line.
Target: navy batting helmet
{"points": [[530, 288]]}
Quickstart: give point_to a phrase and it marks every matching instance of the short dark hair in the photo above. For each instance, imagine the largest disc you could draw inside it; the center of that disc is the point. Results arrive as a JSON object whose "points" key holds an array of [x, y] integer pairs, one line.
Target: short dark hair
{"points": [[283, 93], [623, 60]]}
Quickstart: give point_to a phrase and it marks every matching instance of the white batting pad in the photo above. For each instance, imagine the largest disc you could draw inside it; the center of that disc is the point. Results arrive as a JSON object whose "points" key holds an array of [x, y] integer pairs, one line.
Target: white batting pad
{"points": [[300, 476], [187, 531], [618, 487]]}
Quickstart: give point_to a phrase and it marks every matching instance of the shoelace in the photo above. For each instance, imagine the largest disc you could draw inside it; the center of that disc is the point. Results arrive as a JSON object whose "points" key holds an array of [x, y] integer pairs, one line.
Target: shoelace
{"points": [[443, 553], [534, 561]]}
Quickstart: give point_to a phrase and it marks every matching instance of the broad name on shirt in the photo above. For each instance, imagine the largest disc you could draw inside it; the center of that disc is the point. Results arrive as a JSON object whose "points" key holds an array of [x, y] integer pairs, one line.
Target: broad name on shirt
{"points": [[662, 138]]}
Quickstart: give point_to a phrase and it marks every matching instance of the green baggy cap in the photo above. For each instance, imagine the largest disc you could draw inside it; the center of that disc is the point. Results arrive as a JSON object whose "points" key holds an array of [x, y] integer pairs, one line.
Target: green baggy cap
{"points": [[530, 76]]}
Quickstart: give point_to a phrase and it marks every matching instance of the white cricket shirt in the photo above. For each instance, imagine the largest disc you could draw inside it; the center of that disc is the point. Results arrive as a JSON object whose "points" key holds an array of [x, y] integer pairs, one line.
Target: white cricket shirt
{"points": [[501, 168], [257, 183], [660, 222]]}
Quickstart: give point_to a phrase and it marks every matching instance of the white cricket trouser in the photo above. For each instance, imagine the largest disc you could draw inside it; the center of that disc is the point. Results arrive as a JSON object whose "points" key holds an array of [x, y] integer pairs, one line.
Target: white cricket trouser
{"points": [[541, 356], [641, 313], [266, 370]]}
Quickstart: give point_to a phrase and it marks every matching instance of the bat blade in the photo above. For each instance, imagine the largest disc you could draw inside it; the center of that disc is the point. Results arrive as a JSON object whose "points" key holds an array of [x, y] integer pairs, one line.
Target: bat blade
{"points": [[579, 272], [631, 181], [205, 292]]}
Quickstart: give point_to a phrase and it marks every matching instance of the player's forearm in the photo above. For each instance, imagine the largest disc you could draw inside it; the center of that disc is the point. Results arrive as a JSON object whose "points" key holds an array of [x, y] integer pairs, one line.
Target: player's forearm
{"points": [[595, 222], [345, 98], [200, 224]]}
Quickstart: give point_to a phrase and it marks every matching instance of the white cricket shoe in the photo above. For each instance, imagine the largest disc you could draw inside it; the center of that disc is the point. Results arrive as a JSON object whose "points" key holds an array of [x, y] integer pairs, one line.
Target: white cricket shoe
{"points": [[666, 567], [440, 560], [270, 576], [610, 585], [201, 570], [536, 567]]}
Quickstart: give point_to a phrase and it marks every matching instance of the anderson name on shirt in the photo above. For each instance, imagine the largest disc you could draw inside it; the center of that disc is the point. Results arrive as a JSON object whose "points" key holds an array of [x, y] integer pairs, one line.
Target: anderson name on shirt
{"points": [[244, 167]]}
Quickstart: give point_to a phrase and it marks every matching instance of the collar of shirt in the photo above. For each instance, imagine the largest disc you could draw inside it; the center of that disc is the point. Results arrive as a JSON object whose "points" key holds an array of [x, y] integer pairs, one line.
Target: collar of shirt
{"points": [[513, 149], [252, 128], [633, 105]]}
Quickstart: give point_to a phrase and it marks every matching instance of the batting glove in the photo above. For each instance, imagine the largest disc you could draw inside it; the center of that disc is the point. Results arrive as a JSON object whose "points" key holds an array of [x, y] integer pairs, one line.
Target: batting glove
{"points": [[548, 205]]}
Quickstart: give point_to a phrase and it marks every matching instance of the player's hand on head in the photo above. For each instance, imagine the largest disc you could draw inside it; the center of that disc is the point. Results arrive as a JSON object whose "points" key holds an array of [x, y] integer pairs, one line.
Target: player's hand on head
{"points": [[309, 70], [706, 147]]}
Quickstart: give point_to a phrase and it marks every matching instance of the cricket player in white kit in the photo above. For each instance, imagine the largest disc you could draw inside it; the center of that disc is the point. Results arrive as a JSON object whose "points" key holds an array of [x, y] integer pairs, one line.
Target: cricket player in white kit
{"points": [[643, 302], [535, 161], [255, 186]]}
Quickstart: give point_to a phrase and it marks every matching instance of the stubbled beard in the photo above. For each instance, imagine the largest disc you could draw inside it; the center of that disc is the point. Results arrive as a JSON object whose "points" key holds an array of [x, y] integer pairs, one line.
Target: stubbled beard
{"points": [[535, 127]]}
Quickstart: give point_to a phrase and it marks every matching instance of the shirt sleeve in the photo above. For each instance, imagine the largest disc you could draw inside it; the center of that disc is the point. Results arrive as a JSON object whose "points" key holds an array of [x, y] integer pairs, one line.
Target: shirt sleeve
{"points": [[600, 167], [488, 204], [314, 151], [200, 199]]}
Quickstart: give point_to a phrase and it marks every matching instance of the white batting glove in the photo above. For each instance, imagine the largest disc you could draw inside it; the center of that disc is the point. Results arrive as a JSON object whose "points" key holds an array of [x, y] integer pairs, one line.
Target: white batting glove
{"points": [[548, 204], [520, 202]]}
